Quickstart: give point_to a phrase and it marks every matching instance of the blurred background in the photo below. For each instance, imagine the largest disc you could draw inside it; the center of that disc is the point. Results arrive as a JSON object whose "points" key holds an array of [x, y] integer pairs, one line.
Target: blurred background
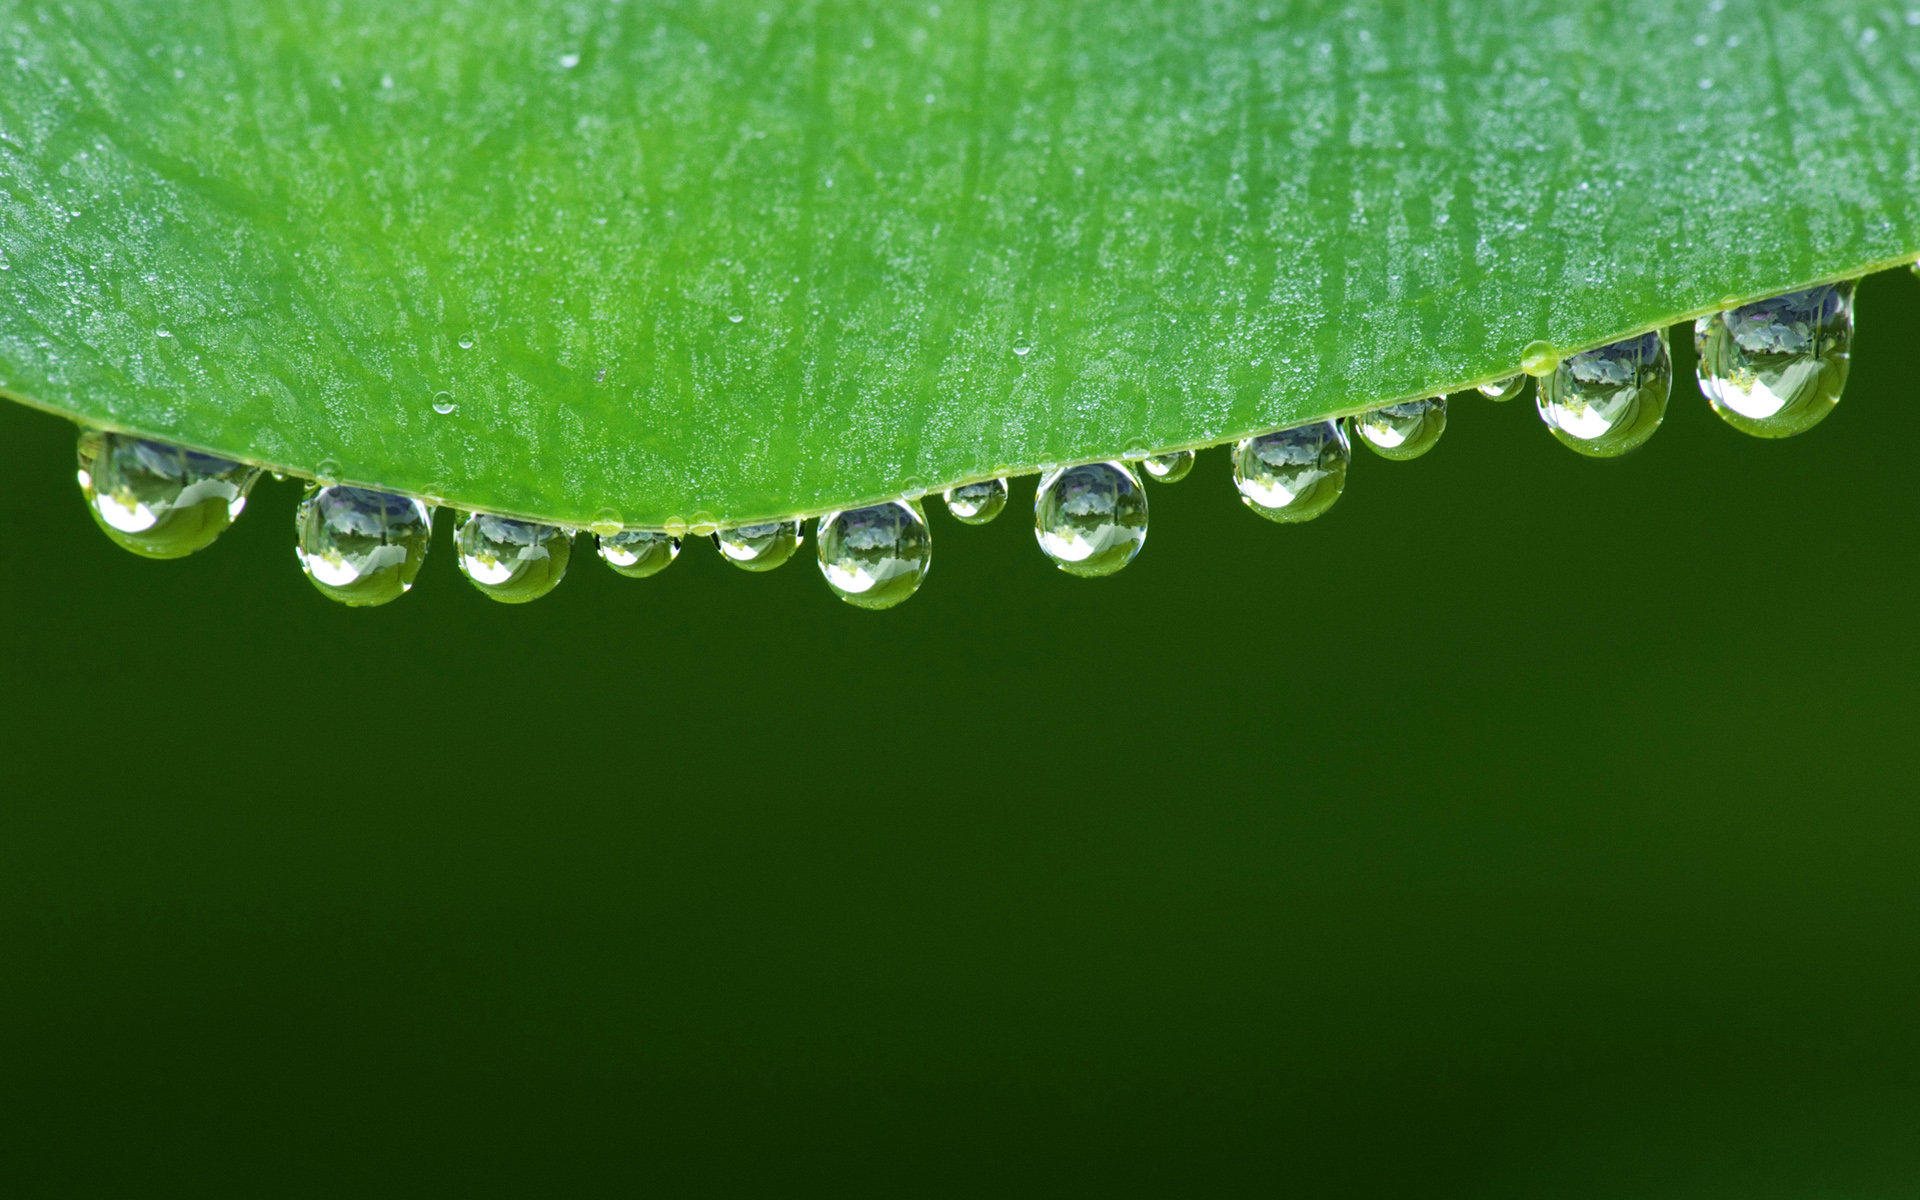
{"points": [[1528, 826]]}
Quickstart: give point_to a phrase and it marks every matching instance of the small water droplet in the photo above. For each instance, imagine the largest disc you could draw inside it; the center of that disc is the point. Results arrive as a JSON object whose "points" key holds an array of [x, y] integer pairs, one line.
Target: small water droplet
{"points": [[976, 503], [466, 341], [443, 403], [163, 332], [1504, 389], [1538, 358], [875, 557], [638, 553], [736, 317], [1091, 520], [1776, 367], [569, 61], [359, 546], [759, 547], [675, 527], [606, 522], [1400, 432], [328, 472], [1293, 475], [1608, 401], [1168, 468], [159, 500], [509, 560], [1021, 350]]}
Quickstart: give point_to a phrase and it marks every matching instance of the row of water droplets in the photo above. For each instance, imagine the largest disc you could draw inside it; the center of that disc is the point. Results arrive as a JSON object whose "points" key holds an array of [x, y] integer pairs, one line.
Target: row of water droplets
{"points": [[1772, 368]]}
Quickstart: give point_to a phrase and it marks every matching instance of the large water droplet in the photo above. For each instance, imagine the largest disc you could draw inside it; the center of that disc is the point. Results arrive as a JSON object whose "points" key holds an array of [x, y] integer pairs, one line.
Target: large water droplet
{"points": [[1775, 367], [1293, 475], [1608, 401], [1403, 431], [157, 500], [1168, 468], [512, 561], [759, 547], [976, 503], [1504, 389], [638, 553], [1091, 520], [359, 546], [875, 557]]}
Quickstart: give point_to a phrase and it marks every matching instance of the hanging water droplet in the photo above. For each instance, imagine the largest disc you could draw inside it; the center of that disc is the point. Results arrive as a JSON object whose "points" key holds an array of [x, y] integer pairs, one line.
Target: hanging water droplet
{"points": [[1608, 401], [1775, 367], [1168, 468], [157, 500], [1537, 358], [638, 553], [512, 561], [875, 557], [443, 403], [976, 503], [1090, 520], [1504, 389], [759, 547], [1403, 431], [1293, 475], [359, 546]]}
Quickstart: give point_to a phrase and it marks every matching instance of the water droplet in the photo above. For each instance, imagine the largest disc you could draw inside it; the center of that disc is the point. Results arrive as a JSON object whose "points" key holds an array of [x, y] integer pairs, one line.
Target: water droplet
{"points": [[1538, 358], [1403, 431], [359, 546], [443, 403], [1504, 389], [466, 341], [157, 500], [1168, 468], [605, 523], [512, 561], [736, 318], [675, 527], [328, 472], [1293, 475], [1022, 350], [163, 332], [1606, 402], [875, 557], [759, 547], [569, 61], [1091, 520], [638, 553], [976, 503], [1775, 367]]}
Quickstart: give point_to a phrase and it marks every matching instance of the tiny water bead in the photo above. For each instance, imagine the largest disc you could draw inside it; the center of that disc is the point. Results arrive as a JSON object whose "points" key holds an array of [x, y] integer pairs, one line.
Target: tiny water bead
{"points": [[1168, 468], [359, 546], [759, 547], [638, 553], [512, 561], [1776, 367], [1091, 520], [1504, 389], [976, 503], [1403, 431], [1608, 401], [443, 403], [158, 500], [1293, 475], [875, 557]]}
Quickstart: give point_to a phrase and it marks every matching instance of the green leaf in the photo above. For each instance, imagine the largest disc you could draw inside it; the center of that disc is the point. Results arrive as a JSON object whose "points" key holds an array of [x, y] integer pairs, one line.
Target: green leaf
{"points": [[720, 260]]}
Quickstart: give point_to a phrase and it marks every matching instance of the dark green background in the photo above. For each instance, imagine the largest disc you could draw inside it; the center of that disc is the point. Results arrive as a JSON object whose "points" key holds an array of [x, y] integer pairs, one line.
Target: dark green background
{"points": [[1529, 826]]}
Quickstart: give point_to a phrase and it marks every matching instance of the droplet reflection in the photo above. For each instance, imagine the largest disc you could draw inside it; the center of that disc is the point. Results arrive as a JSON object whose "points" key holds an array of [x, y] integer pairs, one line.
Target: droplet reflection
{"points": [[1775, 367], [976, 503], [1504, 389], [1168, 468], [759, 547], [1293, 475], [512, 561], [1403, 431], [1608, 401], [875, 557], [158, 500], [359, 546], [1091, 520], [638, 553]]}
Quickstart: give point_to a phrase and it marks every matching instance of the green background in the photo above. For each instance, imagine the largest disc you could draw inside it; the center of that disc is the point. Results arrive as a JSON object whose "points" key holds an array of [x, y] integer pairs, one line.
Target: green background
{"points": [[1529, 826]]}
